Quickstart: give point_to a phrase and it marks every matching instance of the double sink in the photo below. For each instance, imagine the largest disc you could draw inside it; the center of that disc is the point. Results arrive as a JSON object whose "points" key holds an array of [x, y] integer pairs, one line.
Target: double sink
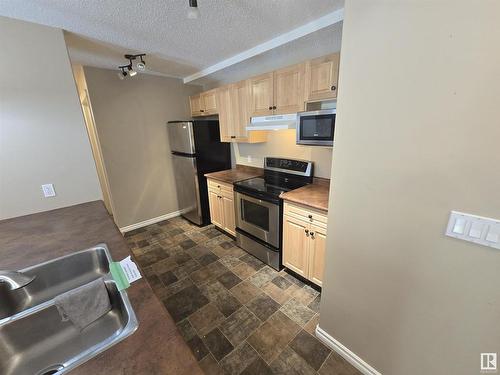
{"points": [[34, 339]]}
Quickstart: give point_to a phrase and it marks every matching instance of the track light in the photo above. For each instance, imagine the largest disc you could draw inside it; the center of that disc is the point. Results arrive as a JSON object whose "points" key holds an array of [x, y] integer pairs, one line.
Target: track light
{"points": [[129, 68], [122, 74], [141, 65], [193, 12]]}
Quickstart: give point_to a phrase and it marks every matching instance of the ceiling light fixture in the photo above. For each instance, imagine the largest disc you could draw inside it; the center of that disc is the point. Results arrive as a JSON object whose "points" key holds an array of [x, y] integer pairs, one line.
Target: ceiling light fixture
{"points": [[129, 68], [193, 12], [123, 73], [141, 65]]}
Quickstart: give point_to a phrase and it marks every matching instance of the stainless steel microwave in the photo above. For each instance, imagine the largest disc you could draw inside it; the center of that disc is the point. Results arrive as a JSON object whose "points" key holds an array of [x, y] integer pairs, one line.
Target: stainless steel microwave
{"points": [[316, 127]]}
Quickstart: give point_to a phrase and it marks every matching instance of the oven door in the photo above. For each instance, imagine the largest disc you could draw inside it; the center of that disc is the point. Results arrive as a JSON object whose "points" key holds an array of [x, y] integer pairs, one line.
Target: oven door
{"points": [[316, 128], [258, 218]]}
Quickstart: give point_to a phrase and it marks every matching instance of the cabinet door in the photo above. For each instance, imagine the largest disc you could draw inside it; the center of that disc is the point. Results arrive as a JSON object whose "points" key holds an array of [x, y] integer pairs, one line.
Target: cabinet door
{"points": [[317, 252], [214, 201], [240, 103], [295, 245], [225, 113], [195, 103], [209, 102], [322, 77], [289, 89], [228, 210], [261, 95]]}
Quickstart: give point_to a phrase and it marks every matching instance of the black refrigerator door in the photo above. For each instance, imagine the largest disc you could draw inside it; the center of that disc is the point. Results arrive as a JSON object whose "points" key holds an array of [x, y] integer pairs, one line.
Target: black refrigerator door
{"points": [[211, 154]]}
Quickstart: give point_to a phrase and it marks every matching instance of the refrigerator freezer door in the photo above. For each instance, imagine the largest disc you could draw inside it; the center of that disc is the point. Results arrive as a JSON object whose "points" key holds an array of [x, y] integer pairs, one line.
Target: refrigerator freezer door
{"points": [[188, 192], [180, 135]]}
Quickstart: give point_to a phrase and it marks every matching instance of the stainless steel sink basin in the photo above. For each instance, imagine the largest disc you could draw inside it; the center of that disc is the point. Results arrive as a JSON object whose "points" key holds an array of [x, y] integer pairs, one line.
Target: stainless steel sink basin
{"points": [[36, 341], [53, 278]]}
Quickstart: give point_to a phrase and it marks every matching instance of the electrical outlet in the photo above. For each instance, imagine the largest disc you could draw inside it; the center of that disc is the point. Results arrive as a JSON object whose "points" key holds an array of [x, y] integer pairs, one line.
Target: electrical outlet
{"points": [[48, 190]]}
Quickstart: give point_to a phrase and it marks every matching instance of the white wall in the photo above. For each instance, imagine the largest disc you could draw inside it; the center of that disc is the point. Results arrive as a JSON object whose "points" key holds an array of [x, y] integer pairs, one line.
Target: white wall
{"points": [[283, 143], [43, 138], [417, 135], [131, 117]]}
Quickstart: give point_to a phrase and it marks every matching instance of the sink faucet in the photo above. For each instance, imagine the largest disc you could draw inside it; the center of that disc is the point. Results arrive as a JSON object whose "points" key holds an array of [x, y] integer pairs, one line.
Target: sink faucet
{"points": [[15, 279]]}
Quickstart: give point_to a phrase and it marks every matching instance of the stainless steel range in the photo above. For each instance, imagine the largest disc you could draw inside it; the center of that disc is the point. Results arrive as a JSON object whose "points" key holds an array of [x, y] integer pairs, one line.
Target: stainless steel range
{"points": [[259, 210]]}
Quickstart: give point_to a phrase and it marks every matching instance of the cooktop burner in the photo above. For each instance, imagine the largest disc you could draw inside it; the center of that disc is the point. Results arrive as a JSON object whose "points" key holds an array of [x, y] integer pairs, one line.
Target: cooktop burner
{"points": [[270, 186], [280, 175]]}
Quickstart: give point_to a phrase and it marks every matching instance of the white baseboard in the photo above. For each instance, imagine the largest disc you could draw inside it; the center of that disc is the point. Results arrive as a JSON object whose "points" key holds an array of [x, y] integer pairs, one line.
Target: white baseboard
{"points": [[349, 356], [154, 220]]}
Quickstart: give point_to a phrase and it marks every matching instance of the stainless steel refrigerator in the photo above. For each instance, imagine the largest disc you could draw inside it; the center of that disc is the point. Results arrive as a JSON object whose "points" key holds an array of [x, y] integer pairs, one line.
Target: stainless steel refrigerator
{"points": [[196, 149]]}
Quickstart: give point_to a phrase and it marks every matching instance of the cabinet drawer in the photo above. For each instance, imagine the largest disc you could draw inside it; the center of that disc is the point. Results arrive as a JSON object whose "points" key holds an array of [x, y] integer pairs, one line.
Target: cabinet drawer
{"points": [[220, 187], [306, 213], [227, 192]]}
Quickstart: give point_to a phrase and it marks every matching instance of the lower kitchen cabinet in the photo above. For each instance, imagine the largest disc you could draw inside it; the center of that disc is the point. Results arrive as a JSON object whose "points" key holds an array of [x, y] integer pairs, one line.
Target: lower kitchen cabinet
{"points": [[295, 243], [215, 208], [304, 241], [221, 202], [317, 254]]}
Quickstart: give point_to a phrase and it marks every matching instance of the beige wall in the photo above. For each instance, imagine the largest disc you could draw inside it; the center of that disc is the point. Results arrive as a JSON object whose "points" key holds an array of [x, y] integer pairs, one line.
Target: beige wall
{"points": [[42, 133], [417, 135], [282, 143], [130, 117]]}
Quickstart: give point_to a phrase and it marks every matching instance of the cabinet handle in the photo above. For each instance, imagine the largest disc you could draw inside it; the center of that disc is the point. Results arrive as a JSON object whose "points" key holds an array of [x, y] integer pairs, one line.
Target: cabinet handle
{"points": [[310, 217], [218, 186], [333, 88], [312, 235], [233, 136], [307, 232], [202, 110], [274, 107], [270, 107]]}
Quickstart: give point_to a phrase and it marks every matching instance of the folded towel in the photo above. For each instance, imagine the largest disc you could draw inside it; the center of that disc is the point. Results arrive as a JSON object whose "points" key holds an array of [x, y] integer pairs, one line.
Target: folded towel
{"points": [[85, 304]]}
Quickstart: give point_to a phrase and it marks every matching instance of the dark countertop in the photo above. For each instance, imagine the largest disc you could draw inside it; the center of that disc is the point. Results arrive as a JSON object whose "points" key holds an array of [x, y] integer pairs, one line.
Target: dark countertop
{"points": [[240, 173], [156, 347], [314, 195]]}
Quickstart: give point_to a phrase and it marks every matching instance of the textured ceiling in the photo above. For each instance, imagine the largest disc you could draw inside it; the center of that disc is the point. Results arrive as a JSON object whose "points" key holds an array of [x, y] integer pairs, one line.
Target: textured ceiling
{"points": [[319, 43], [178, 46]]}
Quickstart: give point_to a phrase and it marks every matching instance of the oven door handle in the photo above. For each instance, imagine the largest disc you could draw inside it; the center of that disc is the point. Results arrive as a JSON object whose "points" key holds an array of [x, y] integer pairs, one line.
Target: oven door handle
{"points": [[262, 202]]}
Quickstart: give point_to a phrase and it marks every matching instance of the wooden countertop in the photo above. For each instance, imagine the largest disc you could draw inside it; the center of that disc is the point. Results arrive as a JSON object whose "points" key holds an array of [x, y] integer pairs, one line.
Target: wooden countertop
{"points": [[240, 173], [313, 195], [156, 347]]}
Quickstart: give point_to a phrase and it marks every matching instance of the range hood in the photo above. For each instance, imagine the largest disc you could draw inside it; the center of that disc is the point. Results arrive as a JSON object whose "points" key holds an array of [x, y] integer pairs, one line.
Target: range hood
{"points": [[273, 122]]}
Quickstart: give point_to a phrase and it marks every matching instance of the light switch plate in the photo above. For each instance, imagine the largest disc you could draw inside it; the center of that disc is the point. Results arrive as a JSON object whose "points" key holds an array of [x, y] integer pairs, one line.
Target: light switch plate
{"points": [[48, 190], [477, 229]]}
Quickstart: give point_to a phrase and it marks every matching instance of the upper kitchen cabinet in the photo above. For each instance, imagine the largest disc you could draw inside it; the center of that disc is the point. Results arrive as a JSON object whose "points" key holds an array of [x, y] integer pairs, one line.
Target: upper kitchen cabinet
{"points": [[195, 104], [262, 95], [232, 104], [289, 89], [278, 92], [240, 103], [209, 99], [204, 104], [322, 77], [225, 107]]}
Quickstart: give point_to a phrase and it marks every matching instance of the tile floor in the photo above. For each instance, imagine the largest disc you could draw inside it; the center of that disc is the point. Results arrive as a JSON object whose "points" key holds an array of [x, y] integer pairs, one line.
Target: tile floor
{"points": [[237, 315]]}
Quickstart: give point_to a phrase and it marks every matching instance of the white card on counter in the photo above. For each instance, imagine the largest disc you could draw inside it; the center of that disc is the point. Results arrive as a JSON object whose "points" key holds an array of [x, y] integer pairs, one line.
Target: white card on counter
{"points": [[130, 269]]}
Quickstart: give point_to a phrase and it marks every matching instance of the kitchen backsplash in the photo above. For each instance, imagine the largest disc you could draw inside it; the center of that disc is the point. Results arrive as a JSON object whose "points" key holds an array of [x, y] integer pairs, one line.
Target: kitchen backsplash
{"points": [[282, 143]]}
